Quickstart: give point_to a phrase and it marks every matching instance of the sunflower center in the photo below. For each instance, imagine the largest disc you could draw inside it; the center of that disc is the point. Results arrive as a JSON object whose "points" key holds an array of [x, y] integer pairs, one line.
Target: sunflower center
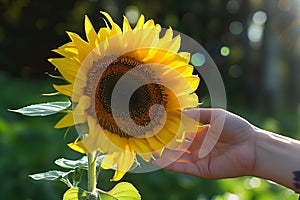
{"points": [[149, 93]]}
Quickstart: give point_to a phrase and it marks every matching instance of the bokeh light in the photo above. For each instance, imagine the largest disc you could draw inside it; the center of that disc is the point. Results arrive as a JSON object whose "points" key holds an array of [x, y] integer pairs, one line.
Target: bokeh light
{"points": [[236, 27], [132, 13], [259, 17], [198, 59], [252, 183], [225, 51], [284, 5], [171, 20], [255, 33], [256, 28], [235, 71], [233, 6]]}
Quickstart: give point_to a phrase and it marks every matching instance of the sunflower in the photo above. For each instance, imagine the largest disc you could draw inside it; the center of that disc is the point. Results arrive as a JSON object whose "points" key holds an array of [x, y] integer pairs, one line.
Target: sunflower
{"points": [[128, 87]]}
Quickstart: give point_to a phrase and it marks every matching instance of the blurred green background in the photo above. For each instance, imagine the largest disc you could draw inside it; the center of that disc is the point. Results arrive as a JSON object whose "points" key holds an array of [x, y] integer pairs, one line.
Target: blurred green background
{"points": [[260, 69]]}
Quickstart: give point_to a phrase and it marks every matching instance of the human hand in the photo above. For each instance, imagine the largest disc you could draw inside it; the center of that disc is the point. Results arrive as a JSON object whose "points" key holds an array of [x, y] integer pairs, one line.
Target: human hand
{"points": [[225, 147]]}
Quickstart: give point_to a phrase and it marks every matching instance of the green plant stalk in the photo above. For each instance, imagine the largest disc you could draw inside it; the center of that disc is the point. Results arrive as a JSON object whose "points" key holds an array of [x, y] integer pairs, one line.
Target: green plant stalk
{"points": [[92, 178]]}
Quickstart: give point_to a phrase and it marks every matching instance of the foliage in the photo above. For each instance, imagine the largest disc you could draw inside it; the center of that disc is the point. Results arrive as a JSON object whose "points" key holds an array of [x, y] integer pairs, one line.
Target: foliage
{"points": [[121, 191], [31, 144]]}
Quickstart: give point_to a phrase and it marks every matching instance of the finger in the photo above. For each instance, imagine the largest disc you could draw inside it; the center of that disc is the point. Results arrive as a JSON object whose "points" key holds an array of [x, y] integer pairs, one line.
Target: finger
{"points": [[199, 114], [183, 167], [169, 158], [192, 135], [176, 155], [198, 139], [185, 146], [209, 141]]}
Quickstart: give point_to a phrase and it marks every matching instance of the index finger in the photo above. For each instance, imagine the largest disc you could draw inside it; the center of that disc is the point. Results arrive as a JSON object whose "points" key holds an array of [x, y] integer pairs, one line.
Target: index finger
{"points": [[200, 114]]}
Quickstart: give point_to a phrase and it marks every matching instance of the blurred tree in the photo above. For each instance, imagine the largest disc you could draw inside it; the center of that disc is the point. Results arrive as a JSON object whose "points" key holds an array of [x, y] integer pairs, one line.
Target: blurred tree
{"points": [[271, 91]]}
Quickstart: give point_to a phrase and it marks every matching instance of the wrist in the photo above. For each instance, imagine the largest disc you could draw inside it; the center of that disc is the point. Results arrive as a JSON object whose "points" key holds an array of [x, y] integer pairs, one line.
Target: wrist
{"points": [[276, 158]]}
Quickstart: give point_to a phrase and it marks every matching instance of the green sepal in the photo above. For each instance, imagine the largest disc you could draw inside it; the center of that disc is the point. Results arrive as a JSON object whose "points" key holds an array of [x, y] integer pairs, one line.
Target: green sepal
{"points": [[51, 94], [55, 76]]}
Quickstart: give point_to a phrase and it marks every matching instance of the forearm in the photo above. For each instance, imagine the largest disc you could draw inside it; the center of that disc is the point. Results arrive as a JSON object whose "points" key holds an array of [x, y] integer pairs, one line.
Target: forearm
{"points": [[277, 158]]}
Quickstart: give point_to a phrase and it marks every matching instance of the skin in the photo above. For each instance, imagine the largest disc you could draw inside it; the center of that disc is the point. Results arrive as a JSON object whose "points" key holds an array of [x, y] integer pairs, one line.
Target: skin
{"points": [[236, 149]]}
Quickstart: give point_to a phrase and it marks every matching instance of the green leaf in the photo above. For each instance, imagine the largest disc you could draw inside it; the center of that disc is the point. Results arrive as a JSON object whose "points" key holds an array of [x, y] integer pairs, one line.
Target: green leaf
{"points": [[43, 109], [72, 164], [122, 191], [83, 163], [50, 175], [77, 176], [80, 163], [104, 196], [76, 193]]}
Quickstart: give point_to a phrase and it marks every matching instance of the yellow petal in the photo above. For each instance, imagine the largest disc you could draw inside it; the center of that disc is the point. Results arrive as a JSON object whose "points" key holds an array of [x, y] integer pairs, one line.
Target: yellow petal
{"points": [[146, 156], [90, 32], [115, 29], [118, 175], [180, 85], [193, 82], [149, 24], [69, 48], [83, 47], [173, 124], [155, 143], [64, 89], [167, 37], [67, 51], [140, 22], [79, 110], [69, 119], [108, 17], [103, 34], [171, 45], [104, 140], [90, 141], [126, 25], [109, 161], [185, 70], [189, 124], [165, 136], [167, 58], [139, 145], [67, 67], [185, 55], [188, 101], [124, 160], [128, 37], [66, 121], [117, 143], [78, 146]]}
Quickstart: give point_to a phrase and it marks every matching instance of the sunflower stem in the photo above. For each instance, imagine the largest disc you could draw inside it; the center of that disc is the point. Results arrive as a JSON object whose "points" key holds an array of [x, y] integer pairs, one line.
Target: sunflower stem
{"points": [[92, 179]]}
